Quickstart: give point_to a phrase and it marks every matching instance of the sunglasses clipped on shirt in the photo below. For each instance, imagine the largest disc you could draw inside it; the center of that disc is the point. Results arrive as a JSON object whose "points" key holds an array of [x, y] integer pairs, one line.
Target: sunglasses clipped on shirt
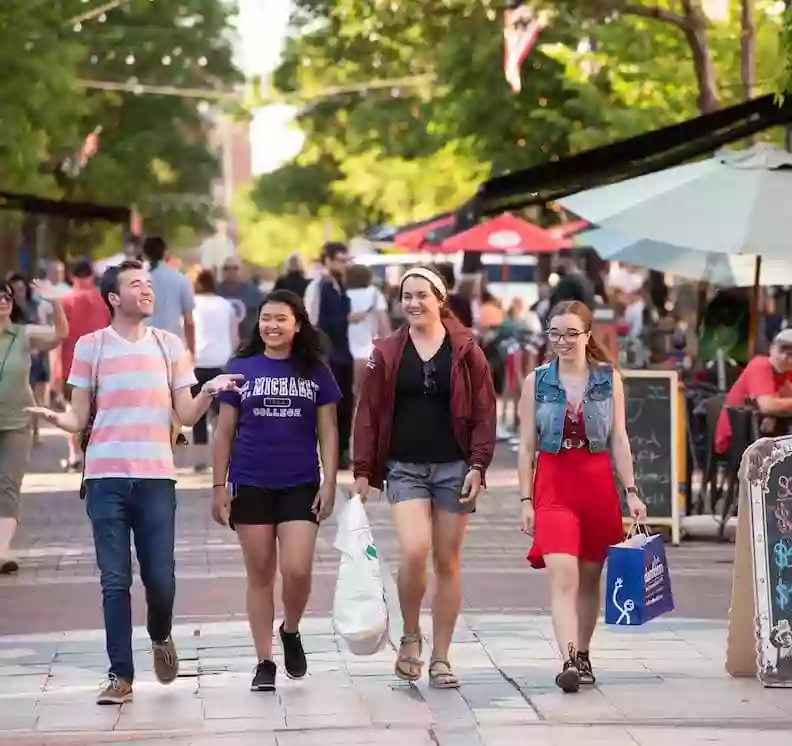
{"points": [[429, 382]]}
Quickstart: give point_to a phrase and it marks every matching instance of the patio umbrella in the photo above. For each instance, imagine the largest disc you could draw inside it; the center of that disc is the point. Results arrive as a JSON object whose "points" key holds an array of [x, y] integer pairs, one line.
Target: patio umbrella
{"points": [[734, 203], [505, 234], [725, 270]]}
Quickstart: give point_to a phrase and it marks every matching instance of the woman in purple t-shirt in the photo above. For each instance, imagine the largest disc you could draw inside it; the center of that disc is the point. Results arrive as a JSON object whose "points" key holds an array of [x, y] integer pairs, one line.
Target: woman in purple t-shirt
{"points": [[266, 470]]}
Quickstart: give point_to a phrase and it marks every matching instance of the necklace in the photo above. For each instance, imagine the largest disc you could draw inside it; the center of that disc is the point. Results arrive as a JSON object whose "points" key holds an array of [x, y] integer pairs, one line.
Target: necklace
{"points": [[13, 336]]}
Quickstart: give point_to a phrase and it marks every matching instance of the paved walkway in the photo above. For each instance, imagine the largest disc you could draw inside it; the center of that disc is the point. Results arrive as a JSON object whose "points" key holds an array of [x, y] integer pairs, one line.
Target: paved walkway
{"points": [[660, 683]]}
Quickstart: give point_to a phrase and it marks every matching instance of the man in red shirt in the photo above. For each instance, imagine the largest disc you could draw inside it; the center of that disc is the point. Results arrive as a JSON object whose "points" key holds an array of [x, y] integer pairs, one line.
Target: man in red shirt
{"points": [[767, 380], [86, 312]]}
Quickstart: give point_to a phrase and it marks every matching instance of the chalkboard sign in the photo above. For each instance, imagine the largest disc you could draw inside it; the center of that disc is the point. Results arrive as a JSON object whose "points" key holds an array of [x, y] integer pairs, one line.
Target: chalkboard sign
{"points": [[652, 402], [767, 473]]}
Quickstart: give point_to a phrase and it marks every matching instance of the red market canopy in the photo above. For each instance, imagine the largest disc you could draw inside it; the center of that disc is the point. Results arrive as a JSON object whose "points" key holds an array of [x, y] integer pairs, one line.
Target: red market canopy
{"points": [[413, 239], [504, 234], [564, 230]]}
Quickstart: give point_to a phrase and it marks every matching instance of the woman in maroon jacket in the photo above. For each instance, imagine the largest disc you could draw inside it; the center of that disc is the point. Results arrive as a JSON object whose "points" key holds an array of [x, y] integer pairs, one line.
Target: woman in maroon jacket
{"points": [[425, 426]]}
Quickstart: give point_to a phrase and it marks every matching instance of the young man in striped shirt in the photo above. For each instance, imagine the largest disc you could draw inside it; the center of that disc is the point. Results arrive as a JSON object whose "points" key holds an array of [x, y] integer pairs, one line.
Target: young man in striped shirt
{"points": [[133, 377]]}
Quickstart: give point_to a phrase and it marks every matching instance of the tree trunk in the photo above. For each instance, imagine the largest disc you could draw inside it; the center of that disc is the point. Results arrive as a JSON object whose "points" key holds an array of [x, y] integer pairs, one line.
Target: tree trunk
{"points": [[696, 35], [693, 24], [747, 49]]}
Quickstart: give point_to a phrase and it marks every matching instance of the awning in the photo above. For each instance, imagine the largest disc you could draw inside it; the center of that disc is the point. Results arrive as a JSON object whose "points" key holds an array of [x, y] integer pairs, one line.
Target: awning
{"points": [[505, 234], [646, 153], [413, 239], [60, 208]]}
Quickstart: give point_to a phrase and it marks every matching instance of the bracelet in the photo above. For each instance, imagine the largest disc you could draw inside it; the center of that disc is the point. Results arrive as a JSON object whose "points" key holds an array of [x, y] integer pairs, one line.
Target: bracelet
{"points": [[218, 485], [526, 499]]}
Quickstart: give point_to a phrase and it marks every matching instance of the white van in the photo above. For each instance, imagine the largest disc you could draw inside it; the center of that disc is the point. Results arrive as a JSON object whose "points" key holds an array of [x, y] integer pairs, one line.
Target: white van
{"points": [[507, 276]]}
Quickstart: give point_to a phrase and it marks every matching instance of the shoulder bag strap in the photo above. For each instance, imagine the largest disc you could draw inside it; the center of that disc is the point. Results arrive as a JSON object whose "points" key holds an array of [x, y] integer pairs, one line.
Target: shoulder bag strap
{"points": [[176, 427], [85, 441], [166, 354]]}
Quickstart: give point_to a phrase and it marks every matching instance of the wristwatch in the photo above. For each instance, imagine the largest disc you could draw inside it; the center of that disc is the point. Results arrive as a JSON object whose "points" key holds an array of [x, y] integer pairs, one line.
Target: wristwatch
{"points": [[632, 490]]}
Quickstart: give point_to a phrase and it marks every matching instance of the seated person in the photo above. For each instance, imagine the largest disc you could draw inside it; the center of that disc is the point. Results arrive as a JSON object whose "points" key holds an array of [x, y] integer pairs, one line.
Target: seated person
{"points": [[767, 380]]}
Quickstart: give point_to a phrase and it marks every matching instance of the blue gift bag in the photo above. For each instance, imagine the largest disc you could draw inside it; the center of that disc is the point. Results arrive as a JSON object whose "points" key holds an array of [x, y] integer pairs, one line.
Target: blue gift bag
{"points": [[637, 581]]}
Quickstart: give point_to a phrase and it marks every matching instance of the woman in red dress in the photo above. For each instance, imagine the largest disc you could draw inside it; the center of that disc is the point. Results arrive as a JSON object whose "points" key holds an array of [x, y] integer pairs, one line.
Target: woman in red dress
{"points": [[572, 415]]}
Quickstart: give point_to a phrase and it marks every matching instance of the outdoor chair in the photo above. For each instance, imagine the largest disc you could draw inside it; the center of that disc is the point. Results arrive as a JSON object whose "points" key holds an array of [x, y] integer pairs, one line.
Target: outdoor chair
{"points": [[744, 432], [716, 463]]}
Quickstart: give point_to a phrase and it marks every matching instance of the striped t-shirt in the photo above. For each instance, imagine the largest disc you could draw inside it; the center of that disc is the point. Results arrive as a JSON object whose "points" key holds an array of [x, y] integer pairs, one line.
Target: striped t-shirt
{"points": [[131, 435]]}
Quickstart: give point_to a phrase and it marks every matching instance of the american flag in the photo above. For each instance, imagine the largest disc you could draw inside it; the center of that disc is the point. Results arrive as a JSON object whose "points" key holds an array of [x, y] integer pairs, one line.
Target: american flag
{"points": [[521, 28], [89, 148]]}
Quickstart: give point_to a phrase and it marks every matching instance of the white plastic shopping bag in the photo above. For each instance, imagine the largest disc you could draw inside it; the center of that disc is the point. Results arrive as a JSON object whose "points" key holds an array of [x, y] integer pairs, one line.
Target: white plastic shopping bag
{"points": [[360, 610]]}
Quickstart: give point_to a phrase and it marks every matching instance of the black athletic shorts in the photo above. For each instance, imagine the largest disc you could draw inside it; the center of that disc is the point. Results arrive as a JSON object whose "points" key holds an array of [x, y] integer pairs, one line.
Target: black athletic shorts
{"points": [[262, 506]]}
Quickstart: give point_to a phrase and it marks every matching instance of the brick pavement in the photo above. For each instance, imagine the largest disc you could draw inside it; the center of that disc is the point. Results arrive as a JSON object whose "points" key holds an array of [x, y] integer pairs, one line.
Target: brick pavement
{"points": [[58, 568], [661, 682]]}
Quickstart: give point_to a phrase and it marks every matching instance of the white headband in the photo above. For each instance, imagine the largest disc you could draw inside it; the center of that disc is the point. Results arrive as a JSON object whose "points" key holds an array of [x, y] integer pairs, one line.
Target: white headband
{"points": [[431, 277]]}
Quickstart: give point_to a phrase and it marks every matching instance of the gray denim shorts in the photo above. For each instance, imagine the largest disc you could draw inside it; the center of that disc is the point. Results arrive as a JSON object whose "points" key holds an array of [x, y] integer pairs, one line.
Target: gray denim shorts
{"points": [[439, 483]]}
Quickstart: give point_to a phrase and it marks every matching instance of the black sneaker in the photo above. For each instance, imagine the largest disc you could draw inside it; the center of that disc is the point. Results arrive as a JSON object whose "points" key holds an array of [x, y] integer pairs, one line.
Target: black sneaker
{"points": [[568, 681], [587, 677], [264, 677], [293, 654], [9, 567]]}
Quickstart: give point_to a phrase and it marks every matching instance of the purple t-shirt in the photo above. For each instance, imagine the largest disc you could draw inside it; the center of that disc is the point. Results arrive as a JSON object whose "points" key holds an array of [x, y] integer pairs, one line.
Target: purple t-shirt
{"points": [[276, 440]]}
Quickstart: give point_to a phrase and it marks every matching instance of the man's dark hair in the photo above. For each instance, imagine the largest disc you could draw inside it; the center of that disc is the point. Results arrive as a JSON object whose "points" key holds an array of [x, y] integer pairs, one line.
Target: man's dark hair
{"points": [[204, 282], [332, 249], [82, 268], [446, 270], [573, 287], [110, 278], [154, 248]]}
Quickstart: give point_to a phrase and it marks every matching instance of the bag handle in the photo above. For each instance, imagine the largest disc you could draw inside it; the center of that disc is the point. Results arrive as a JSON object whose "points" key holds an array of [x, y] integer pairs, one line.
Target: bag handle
{"points": [[638, 527]]}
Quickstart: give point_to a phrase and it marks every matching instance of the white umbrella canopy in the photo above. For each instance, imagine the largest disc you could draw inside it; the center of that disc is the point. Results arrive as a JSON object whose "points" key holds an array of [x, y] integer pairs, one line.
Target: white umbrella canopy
{"points": [[739, 202], [725, 270]]}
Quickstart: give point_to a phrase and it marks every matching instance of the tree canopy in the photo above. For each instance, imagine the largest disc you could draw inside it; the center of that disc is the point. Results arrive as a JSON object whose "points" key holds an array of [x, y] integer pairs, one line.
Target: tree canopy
{"points": [[63, 79], [601, 71]]}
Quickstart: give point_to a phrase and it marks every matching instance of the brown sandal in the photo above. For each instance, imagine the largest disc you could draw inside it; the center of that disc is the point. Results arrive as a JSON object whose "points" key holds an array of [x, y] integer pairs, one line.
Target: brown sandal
{"points": [[442, 679], [406, 662]]}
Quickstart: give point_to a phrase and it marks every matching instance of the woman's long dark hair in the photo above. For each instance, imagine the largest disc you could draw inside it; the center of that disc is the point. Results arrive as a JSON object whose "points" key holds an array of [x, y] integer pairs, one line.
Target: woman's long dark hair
{"points": [[308, 349], [17, 314]]}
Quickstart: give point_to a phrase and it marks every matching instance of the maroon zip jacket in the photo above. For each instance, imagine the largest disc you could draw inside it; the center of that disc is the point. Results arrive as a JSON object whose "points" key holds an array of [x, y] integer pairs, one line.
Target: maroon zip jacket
{"points": [[473, 402]]}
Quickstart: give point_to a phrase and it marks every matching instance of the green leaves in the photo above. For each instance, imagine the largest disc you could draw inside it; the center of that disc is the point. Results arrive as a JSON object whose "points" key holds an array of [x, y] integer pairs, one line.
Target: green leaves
{"points": [[602, 71], [154, 150]]}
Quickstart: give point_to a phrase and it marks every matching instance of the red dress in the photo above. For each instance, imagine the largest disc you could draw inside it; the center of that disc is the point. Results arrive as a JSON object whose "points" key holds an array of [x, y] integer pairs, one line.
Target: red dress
{"points": [[576, 501]]}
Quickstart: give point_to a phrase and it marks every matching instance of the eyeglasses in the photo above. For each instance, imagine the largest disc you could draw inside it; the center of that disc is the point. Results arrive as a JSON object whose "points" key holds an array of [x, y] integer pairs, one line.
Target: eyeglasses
{"points": [[429, 382], [6, 297], [570, 335]]}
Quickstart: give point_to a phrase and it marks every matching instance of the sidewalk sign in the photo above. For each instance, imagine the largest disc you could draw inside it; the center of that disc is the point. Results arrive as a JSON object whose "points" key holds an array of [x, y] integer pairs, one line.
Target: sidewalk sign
{"points": [[760, 618], [653, 420]]}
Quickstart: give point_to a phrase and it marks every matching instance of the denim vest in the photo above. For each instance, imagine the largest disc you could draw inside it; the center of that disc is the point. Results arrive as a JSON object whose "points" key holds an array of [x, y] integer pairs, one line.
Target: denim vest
{"points": [[550, 406]]}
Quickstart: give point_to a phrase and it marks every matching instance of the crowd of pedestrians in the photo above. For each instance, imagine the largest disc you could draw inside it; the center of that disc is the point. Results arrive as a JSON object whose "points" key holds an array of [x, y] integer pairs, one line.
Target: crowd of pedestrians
{"points": [[299, 383]]}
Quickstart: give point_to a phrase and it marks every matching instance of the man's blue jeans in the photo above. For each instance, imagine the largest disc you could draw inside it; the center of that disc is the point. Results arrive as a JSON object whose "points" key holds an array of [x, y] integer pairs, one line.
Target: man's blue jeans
{"points": [[117, 508]]}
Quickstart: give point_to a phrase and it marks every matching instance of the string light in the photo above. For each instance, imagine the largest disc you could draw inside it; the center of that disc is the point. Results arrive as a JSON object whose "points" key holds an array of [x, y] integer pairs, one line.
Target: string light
{"points": [[133, 85], [98, 13]]}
